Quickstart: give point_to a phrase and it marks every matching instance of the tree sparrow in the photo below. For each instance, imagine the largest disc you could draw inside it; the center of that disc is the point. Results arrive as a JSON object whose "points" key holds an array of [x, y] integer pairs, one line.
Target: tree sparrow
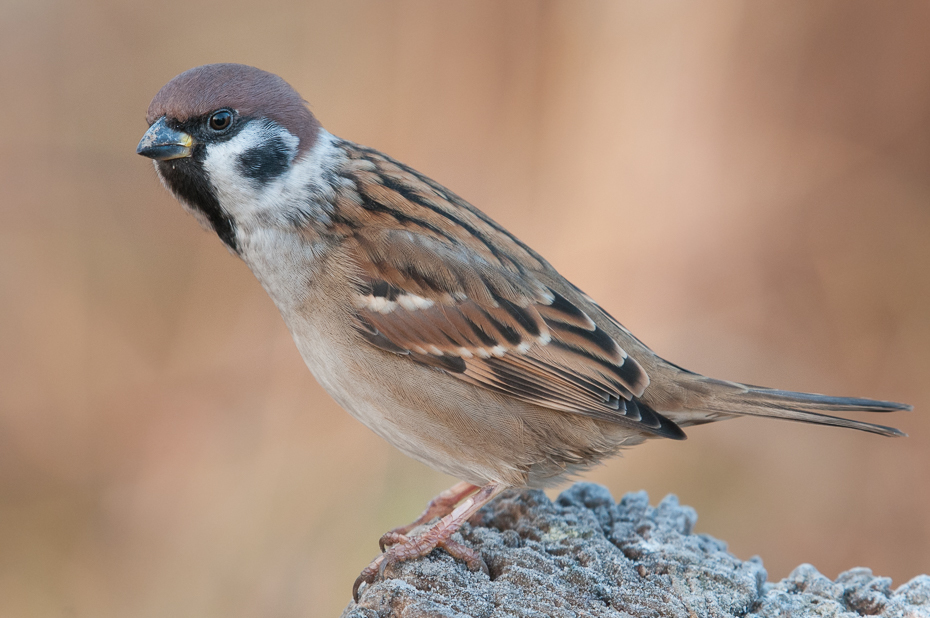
{"points": [[420, 315]]}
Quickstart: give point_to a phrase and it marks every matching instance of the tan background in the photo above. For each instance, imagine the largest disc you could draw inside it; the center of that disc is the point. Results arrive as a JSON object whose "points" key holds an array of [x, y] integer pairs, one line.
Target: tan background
{"points": [[744, 185]]}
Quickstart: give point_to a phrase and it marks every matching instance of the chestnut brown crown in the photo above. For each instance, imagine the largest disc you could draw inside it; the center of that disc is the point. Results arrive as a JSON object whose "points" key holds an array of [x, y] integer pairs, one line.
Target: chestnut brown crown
{"points": [[251, 92]]}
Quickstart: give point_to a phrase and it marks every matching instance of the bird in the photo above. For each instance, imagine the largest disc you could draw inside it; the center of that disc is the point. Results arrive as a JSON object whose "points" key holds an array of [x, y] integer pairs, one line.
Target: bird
{"points": [[424, 318]]}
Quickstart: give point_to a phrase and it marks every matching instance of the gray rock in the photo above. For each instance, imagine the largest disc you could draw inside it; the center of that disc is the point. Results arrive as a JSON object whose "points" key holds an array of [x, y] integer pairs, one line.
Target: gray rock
{"points": [[584, 555]]}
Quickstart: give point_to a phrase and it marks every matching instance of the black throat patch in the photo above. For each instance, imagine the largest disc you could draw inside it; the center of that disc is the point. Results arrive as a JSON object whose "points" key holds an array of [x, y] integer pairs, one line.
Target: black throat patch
{"points": [[188, 181]]}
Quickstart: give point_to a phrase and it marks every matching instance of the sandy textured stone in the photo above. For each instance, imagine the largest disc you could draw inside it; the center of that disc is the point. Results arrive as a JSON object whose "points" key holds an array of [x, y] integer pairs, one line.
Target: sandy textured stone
{"points": [[584, 555]]}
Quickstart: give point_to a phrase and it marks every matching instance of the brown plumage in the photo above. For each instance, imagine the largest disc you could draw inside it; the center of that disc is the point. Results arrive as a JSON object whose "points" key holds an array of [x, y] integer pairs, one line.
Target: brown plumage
{"points": [[423, 317], [500, 317]]}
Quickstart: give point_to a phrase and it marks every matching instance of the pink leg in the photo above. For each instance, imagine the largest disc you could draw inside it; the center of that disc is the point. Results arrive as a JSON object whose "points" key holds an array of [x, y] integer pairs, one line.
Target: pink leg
{"points": [[440, 506], [438, 535]]}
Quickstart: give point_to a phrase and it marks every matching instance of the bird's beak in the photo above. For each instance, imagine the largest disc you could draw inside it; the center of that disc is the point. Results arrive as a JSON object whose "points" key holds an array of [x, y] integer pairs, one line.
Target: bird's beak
{"points": [[163, 143]]}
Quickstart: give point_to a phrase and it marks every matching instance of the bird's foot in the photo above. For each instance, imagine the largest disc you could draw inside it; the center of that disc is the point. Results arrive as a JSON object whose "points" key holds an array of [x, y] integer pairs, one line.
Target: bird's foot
{"points": [[440, 506], [402, 547]]}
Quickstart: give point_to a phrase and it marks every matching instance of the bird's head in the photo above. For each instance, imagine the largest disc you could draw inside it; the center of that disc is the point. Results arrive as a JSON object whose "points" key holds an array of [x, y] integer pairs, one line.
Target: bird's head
{"points": [[224, 138]]}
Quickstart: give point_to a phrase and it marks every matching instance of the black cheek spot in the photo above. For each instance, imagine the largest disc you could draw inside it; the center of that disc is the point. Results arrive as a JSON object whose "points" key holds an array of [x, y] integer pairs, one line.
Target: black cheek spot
{"points": [[266, 162]]}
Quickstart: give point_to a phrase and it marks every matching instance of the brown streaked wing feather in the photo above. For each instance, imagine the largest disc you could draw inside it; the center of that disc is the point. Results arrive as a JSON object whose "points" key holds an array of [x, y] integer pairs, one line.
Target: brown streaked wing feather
{"points": [[487, 347], [479, 313]]}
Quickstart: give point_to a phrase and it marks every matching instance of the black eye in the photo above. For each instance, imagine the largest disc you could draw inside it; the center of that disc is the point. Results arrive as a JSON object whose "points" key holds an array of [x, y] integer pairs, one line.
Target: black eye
{"points": [[221, 120]]}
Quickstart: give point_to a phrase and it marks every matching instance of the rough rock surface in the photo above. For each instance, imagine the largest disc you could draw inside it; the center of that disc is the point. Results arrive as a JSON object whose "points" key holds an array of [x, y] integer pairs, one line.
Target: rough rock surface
{"points": [[584, 555]]}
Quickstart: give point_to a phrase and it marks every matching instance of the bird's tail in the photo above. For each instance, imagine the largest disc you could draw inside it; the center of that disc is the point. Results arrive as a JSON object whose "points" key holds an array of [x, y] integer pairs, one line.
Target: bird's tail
{"points": [[730, 398]]}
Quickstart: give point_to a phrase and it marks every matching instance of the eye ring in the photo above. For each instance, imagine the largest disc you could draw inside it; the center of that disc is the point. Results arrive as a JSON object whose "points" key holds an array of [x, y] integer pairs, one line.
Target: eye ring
{"points": [[220, 120]]}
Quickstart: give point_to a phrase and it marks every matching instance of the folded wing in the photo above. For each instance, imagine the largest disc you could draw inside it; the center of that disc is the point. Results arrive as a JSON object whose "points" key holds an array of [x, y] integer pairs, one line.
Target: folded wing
{"points": [[484, 325]]}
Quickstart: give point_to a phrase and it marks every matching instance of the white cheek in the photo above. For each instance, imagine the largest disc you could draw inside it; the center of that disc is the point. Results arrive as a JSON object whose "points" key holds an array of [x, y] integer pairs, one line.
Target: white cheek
{"points": [[307, 187], [242, 197]]}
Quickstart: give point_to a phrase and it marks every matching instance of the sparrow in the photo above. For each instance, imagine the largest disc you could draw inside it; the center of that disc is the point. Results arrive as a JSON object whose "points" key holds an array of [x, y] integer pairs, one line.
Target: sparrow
{"points": [[423, 317]]}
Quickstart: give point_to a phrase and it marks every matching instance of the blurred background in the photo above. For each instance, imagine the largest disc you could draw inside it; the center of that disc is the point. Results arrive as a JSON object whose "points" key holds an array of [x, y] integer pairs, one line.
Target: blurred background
{"points": [[746, 186]]}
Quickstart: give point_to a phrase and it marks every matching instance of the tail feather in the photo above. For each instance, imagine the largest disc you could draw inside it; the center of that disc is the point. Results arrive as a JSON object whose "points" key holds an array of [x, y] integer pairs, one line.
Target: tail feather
{"points": [[804, 407]]}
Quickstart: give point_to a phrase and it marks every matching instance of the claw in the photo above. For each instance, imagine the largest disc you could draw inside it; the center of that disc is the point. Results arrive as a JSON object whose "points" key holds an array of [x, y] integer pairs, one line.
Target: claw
{"points": [[391, 538], [367, 576], [389, 559], [358, 584]]}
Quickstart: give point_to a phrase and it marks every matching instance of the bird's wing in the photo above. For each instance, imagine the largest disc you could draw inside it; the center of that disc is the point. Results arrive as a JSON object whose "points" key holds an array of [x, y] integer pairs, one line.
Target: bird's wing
{"points": [[441, 284]]}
